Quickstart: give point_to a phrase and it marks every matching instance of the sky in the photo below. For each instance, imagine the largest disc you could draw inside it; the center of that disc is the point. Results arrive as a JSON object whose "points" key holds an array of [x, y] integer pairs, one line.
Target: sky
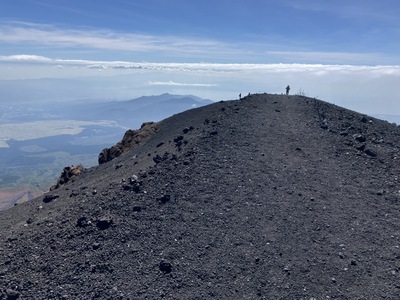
{"points": [[344, 51]]}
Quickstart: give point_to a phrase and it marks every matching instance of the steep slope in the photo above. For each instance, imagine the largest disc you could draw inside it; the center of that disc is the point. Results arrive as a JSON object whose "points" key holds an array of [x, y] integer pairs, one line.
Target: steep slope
{"points": [[270, 197]]}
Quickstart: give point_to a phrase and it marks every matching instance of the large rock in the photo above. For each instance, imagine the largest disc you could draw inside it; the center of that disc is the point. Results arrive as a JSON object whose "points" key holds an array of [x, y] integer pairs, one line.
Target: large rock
{"points": [[131, 139], [68, 174]]}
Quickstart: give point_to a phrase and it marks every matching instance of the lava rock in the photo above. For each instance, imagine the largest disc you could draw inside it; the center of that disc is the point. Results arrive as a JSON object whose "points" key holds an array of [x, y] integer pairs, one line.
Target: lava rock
{"points": [[49, 198], [82, 222], [164, 198], [104, 222], [370, 152], [165, 267], [360, 138], [12, 294]]}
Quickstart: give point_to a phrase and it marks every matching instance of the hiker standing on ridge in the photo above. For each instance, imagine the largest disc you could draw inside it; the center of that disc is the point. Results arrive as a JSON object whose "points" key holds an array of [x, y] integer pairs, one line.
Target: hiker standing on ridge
{"points": [[287, 90]]}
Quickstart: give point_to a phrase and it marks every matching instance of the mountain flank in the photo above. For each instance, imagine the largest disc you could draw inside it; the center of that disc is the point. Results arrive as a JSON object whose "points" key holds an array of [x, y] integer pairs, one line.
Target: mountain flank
{"points": [[70, 132], [268, 197]]}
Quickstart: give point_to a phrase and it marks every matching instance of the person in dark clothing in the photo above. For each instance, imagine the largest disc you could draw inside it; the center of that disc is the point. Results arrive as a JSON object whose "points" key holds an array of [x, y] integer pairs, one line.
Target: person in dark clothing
{"points": [[287, 90]]}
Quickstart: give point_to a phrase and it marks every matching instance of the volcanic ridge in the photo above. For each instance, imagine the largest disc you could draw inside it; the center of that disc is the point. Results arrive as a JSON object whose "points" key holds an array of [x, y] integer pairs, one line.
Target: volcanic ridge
{"points": [[267, 197]]}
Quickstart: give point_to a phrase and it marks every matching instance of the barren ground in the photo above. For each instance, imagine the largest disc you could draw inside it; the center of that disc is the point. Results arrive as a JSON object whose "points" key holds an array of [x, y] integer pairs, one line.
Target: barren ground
{"points": [[270, 197]]}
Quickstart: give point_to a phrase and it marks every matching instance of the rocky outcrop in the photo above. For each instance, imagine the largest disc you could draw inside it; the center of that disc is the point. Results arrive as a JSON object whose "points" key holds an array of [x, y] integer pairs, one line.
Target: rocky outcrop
{"points": [[68, 174], [130, 139]]}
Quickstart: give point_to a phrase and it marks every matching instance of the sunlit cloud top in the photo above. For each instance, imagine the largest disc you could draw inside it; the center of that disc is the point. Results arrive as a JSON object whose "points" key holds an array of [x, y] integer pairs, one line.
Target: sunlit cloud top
{"points": [[201, 67]]}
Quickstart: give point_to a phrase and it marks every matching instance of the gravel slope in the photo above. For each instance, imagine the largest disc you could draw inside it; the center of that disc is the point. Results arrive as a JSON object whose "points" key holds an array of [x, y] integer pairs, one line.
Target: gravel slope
{"points": [[269, 197]]}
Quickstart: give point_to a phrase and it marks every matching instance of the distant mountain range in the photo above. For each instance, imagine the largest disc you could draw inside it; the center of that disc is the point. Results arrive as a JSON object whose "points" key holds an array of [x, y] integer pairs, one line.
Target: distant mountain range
{"points": [[133, 113], [42, 139]]}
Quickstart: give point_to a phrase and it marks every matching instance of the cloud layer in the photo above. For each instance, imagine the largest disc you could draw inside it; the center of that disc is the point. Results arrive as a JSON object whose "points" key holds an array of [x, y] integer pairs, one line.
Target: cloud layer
{"points": [[317, 69]]}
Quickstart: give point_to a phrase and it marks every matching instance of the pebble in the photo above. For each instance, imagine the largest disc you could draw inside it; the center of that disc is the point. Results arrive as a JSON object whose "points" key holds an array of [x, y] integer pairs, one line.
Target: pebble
{"points": [[165, 267]]}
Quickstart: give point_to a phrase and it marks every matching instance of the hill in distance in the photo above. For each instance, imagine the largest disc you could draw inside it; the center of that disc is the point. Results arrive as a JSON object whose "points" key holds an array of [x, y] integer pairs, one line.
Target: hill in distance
{"points": [[269, 197]]}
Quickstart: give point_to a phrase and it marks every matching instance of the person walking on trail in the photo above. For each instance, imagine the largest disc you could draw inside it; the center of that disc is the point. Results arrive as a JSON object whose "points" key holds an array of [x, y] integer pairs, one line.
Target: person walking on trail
{"points": [[240, 96], [287, 90]]}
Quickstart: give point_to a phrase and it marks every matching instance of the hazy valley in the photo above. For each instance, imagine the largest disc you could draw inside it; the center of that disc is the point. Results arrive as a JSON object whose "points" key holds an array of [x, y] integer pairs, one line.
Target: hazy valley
{"points": [[37, 142]]}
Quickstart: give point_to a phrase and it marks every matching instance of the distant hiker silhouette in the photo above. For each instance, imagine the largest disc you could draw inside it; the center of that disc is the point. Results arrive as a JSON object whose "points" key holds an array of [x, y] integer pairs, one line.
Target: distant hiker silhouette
{"points": [[240, 96], [287, 90]]}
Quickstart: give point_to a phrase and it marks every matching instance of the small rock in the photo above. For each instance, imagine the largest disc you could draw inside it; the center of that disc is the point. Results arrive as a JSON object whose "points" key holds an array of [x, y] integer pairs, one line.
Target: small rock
{"points": [[82, 222], [286, 269], [164, 198], [371, 153], [324, 124], [165, 267], [212, 133], [104, 222], [360, 138], [96, 246], [136, 208], [361, 147], [157, 159], [12, 294], [49, 198], [178, 138]]}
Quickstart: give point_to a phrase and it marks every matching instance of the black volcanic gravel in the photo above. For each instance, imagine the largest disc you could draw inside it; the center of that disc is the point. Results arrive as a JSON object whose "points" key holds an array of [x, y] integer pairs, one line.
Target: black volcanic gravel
{"points": [[269, 197]]}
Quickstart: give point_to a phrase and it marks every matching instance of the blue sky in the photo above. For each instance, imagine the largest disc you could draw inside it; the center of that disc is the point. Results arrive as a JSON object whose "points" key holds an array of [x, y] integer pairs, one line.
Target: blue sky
{"points": [[345, 52]]}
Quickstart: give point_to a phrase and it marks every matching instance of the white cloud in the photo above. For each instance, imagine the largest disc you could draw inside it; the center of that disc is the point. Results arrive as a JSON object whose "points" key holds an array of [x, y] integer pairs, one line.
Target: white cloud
{"points": [[25, 58], [37, 34], [328, 57], [316, 69]]}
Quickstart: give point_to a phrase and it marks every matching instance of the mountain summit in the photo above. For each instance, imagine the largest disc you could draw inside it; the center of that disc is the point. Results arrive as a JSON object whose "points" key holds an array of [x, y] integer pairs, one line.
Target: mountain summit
{"points": [[268, 197]]}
